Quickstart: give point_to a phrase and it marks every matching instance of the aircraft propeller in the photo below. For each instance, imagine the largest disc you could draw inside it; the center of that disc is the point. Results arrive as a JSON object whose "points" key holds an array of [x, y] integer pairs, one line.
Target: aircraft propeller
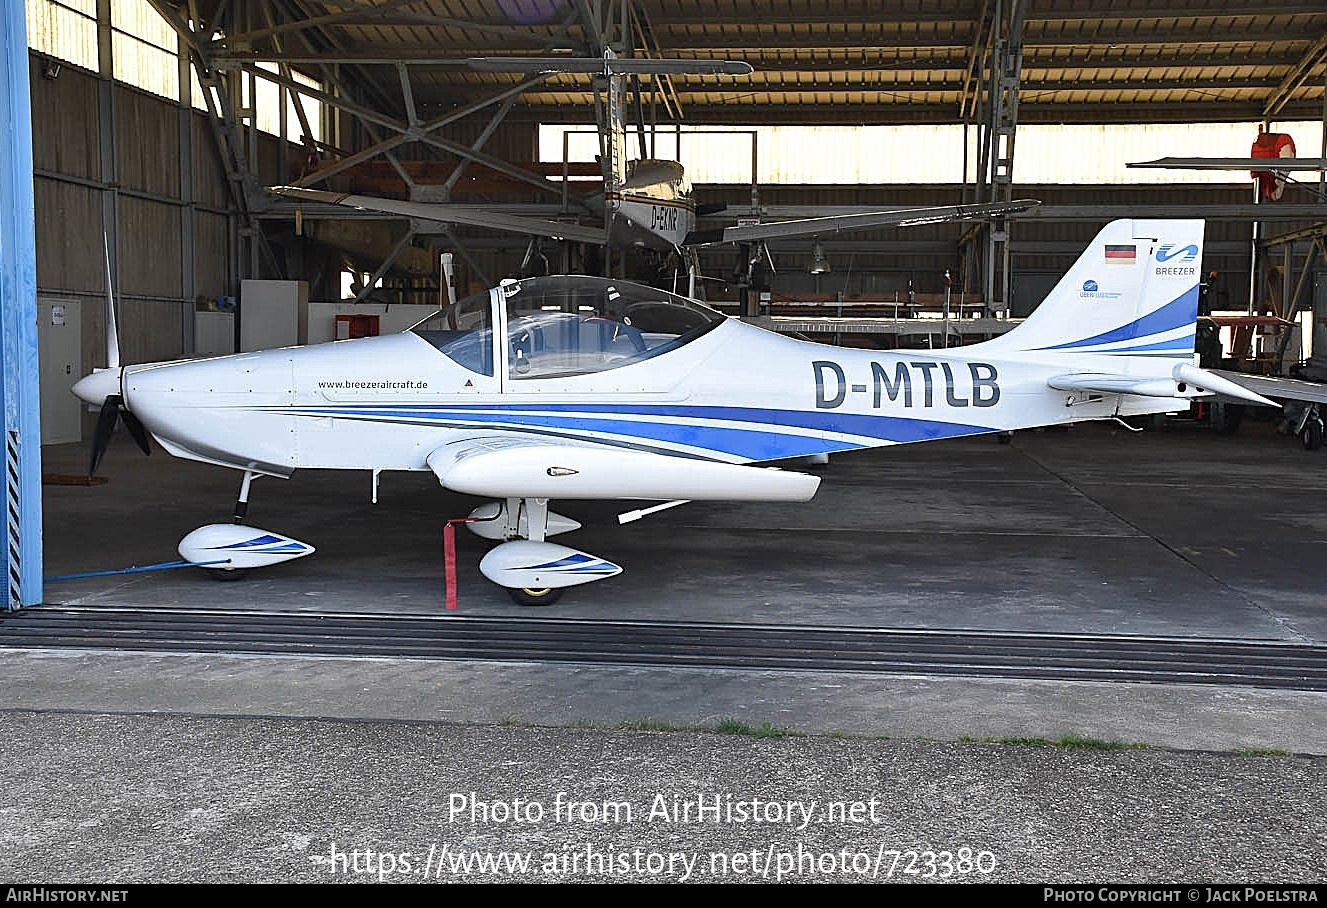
{"points": [[102, 387], [112, 409]]}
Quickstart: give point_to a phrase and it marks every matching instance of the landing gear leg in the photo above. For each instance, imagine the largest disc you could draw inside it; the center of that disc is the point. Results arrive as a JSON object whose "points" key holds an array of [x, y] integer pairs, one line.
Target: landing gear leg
{"points": [[536, 521], [242, 502], [1311, 435]]}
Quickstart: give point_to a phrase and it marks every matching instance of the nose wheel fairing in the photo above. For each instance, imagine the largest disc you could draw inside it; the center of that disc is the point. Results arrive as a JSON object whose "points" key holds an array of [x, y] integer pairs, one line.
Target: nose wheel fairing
{"points": [[226, 550], [232, 546]]}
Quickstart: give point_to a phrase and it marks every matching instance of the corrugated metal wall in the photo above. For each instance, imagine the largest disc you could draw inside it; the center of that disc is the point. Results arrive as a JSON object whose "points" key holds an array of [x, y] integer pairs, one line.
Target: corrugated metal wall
{"points": [[64, 121], [70, 191], [147, 143]]}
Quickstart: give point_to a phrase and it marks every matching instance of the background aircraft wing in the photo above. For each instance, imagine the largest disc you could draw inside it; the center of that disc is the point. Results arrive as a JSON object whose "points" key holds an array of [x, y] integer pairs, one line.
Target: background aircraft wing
{"points": [[1278, 388], [514, 465], [903, 217], [449, 214], [1281, 164]]}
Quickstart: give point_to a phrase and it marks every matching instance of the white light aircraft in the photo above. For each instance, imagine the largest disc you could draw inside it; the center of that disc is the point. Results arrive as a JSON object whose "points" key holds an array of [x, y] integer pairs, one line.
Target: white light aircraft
{"points": [[577, 387]]}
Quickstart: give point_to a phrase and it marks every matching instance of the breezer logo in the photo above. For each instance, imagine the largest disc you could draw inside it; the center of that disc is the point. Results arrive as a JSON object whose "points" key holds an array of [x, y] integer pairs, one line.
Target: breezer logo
{"points": [[1168, 252]]}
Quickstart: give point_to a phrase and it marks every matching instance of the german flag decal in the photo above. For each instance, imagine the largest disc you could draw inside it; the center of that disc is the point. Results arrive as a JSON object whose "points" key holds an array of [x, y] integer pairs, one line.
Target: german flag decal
{"points": [[1121, 255]]}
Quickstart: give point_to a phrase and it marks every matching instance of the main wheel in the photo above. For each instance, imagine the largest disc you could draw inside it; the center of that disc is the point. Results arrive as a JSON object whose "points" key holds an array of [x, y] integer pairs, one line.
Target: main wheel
{"points": [[226, 575], [542, 596], [1312, 435]]}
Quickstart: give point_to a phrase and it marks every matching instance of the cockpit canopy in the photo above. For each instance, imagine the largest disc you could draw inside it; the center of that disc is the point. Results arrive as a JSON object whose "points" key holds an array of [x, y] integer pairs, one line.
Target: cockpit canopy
{"points": [[568, 325]]}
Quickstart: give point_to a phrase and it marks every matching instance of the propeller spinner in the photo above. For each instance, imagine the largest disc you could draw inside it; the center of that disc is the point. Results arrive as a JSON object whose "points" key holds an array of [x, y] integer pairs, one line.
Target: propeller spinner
{"points": [[102, 388]]}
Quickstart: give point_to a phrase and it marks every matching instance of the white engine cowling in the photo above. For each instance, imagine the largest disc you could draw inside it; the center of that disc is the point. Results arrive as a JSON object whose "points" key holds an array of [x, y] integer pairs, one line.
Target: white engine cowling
{"points": [[236, 545], [522, 564]]}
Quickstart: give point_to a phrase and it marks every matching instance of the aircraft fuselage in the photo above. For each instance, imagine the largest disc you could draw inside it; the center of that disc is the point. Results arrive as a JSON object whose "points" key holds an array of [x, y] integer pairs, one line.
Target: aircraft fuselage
{"points": [[738, 394]]}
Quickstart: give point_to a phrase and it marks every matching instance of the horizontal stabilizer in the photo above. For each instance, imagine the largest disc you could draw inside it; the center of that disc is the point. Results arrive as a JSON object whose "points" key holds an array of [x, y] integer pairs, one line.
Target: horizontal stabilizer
{"points": [[502, 466], [1186, 382], [1217, 385]]}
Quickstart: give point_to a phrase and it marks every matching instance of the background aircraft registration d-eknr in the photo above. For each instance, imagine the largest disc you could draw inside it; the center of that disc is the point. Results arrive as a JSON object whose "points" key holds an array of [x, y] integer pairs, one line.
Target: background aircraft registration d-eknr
{"points": [[576, 387]]}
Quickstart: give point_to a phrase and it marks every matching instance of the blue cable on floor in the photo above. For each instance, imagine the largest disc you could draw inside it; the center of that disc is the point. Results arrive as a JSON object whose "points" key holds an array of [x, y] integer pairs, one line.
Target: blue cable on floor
{"points": [[164, 566]]}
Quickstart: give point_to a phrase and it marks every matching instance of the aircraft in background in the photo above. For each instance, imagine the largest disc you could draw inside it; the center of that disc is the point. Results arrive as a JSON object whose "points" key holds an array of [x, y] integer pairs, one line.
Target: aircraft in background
{"points": [[1272, 162], [580, 387], [647, 203]]}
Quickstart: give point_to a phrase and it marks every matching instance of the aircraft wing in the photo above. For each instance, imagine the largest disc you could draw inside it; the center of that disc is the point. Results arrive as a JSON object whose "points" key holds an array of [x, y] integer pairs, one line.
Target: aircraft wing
{"points": [[449, 214], [1278, 164], [903, 217], [1281, 388], [513, 465]]}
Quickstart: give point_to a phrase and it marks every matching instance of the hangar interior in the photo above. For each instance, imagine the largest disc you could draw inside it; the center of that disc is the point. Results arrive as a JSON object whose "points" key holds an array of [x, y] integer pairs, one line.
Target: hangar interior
{"points": [[161, 125], [1090, 654]]}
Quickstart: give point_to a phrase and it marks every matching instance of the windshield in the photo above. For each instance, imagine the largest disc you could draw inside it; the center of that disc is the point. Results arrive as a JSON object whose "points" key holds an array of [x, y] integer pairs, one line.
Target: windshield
{"points": [[572, 325], [464, 332]]}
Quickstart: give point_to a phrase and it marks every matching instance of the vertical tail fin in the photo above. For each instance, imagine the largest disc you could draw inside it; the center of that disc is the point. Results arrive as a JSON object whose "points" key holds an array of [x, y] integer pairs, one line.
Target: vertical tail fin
{"points": [[1124, 318], [1133, 292]]}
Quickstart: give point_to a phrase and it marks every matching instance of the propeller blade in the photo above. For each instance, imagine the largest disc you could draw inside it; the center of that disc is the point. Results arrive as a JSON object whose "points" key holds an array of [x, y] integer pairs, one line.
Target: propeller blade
{"points": [[135, 427], [110, 412], [112, 323]]}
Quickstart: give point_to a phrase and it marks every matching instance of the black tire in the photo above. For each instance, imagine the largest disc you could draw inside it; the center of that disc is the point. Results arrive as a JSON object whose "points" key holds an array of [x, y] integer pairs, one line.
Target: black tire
{"points": [[226, 575], [535, 597], [1311, 436]]}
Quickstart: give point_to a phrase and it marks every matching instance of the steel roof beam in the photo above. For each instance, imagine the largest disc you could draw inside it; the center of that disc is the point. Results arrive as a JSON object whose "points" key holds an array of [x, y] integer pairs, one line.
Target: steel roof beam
{"points": [[1298, 75]]}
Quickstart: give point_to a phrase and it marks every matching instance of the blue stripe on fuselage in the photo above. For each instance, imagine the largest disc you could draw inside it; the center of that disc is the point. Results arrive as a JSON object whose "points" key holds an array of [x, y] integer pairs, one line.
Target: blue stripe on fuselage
{"points": [[737, 440]]}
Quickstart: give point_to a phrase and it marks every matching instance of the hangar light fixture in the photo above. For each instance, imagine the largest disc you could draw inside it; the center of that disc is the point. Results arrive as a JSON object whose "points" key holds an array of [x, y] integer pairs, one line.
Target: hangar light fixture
{"points": [[818, 263]]}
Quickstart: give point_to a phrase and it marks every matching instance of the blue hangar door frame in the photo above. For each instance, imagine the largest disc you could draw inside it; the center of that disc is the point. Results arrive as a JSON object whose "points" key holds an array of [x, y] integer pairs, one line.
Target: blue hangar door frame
{"points": [[19, 377]]}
